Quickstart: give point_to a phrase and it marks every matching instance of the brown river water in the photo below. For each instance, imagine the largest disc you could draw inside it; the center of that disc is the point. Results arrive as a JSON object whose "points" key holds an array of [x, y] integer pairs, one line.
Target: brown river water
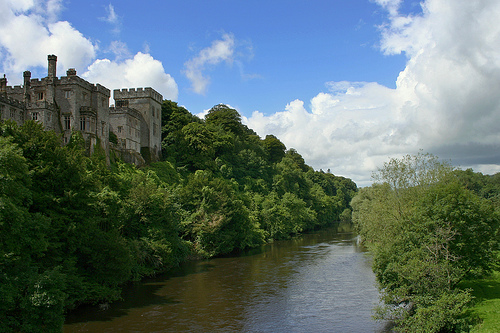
{"points": [[318, 282]]}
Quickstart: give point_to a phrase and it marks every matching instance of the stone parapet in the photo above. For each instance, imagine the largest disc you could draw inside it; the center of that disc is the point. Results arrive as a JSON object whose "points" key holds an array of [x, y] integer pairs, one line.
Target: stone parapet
{"points": [[137, 93]]}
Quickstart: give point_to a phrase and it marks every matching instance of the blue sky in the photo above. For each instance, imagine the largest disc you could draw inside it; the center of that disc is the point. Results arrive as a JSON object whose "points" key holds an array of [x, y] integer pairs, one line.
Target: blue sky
{"points": [[348, 83], [282, 49]]}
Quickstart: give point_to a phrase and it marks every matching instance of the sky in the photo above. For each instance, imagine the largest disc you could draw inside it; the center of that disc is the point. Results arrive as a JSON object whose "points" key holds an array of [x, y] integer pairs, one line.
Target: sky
{"points": [[347, 83]]}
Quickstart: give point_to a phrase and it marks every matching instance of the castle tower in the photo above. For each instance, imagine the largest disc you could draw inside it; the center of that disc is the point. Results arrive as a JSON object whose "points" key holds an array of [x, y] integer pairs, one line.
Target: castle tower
{"points": [[148, 102]]}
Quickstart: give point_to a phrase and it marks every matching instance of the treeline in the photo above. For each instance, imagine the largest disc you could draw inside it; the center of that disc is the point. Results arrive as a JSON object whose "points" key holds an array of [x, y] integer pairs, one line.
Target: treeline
{"points": [[429, 228], [74, 229]]}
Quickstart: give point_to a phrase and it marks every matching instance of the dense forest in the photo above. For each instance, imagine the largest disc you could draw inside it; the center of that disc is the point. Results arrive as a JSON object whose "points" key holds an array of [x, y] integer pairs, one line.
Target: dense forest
{"points": [[430, 228], [75, 228]]}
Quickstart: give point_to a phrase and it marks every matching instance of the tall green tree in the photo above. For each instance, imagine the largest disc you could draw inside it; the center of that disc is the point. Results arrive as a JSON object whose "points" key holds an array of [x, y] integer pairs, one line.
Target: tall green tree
{"points": [[227, 118]]}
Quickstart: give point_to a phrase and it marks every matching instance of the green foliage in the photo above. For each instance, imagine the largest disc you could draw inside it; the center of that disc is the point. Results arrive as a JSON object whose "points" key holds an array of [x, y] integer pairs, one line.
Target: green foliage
{"points": [[228, 119], [427, 233], [174, 118], [284, 216], [217, 220], [275, 149], [65, 219]]}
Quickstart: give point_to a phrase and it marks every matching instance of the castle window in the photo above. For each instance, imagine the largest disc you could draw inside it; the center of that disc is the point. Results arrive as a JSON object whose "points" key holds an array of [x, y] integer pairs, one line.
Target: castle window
{"points": [[12, 112], [34, 116], [82, 123], [40, 96], [120, 129], [67, 93], [85, 124], [49, 117], [121, 103], [153, 112], [67, 122]]}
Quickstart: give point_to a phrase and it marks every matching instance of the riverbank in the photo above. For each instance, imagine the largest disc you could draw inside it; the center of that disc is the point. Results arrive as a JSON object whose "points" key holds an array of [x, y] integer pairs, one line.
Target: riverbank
{"points": [[487, 307]]}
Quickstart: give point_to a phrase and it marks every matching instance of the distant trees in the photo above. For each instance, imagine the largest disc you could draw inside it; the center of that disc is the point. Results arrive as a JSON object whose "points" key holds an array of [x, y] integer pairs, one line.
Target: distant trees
{"points": [[427, 233]]}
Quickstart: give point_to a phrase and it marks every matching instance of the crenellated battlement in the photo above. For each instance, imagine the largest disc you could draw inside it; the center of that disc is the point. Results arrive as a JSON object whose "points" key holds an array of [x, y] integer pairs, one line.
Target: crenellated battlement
{"points": [[138, 93], [14, 90]]}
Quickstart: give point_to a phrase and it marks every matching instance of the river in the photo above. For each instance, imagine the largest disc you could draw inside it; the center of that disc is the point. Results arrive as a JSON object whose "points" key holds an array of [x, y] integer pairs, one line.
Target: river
{"points": [[318, 282]]}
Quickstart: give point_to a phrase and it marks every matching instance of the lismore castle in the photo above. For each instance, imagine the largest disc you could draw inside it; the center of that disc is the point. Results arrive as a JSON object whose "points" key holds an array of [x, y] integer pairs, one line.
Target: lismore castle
{"points": [[70, 103]]}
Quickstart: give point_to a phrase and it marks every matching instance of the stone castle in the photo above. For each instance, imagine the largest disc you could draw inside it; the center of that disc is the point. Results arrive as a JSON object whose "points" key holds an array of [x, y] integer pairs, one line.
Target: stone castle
{"points": [[70, 103]]}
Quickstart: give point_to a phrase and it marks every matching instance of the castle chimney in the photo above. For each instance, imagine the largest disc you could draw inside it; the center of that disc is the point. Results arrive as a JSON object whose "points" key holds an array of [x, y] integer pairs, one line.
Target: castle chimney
{"points": [[27, 78], [71, 72], [52, 65], [3, 85], [27, 85]]}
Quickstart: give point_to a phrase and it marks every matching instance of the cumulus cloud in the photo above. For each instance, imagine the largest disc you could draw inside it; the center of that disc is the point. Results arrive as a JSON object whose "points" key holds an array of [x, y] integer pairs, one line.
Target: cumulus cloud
{"points": [[140, 71], [446, 100], [29, 31], [221, 50], [53, 8]]}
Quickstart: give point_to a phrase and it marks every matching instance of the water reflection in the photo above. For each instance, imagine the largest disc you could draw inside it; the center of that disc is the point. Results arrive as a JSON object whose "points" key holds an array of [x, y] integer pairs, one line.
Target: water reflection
{"points": [[320, 282]]}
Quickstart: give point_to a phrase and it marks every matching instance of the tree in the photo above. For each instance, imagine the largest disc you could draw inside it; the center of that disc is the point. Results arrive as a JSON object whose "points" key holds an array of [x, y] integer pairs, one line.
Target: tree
{"points": [[217, 220], [227, 118], [275, 149], [426, 233], [173, 119]]}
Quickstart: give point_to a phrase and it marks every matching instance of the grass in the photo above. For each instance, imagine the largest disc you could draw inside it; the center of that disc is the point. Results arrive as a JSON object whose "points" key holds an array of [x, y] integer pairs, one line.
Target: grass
{"points": [[487, 307]]}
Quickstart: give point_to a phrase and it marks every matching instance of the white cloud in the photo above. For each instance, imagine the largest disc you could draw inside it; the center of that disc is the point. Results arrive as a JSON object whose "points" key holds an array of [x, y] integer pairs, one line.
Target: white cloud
{"points": [[120, 50], [29, 31], [392, 6], [446, 100], [53, 9], [140, 71], [220, 51], [112, 18]]}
